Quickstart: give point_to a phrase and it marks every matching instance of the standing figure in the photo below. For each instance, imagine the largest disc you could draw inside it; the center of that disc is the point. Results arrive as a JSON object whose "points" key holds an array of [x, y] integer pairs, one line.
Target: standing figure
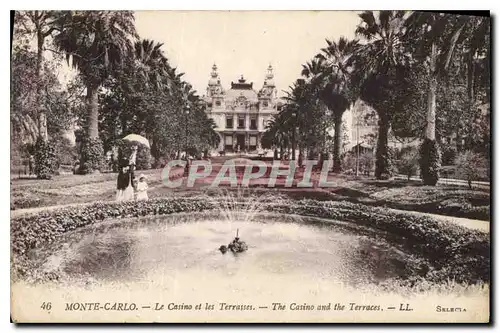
{"points": [[123, 182], [109, 159], [31, 164], [142, 189]]}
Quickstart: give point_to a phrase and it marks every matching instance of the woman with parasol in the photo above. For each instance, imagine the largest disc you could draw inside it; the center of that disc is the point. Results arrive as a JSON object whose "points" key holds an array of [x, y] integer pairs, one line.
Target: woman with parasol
{"points": [[126, 172]]}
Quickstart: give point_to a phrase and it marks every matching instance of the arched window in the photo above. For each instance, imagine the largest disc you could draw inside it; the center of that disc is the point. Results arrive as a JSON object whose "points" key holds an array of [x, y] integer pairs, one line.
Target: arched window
{"points": [[265, 104], [217, 103]]}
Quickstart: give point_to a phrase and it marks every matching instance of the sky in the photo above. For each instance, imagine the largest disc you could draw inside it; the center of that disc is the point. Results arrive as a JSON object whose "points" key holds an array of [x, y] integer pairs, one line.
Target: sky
{"points": [[243, 43]]}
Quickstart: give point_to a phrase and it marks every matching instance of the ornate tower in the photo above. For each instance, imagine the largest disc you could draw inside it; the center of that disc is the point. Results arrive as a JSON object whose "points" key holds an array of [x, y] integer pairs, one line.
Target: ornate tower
{"points": [[214, 87], [267, 99], [268, 92]]}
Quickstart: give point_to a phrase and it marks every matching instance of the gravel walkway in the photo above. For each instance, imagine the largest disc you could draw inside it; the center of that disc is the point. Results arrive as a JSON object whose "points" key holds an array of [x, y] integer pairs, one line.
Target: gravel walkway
{"points": [[468, 223]]}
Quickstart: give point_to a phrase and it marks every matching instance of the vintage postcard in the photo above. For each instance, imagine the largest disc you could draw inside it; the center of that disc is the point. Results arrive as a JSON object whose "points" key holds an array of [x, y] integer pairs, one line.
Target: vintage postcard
{"points": [[250, 167]]}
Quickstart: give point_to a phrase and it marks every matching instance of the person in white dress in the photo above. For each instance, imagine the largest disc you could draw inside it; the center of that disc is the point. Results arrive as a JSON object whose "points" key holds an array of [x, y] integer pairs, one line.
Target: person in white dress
{"points": [[142, 189]]}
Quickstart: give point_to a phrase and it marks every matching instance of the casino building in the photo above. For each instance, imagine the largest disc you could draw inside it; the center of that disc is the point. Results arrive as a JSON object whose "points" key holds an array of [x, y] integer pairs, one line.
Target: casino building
{"points": [[241, 113]]}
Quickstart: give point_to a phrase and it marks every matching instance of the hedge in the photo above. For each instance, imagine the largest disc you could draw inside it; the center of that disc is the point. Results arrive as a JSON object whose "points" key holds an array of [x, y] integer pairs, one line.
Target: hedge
{"points": [[430, 162], [451, 250], [91, 155], [45, 159]]}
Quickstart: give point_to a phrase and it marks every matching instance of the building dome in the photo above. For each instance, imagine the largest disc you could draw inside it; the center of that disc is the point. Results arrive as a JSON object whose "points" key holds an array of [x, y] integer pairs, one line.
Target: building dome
{"points": [[241, 89]]}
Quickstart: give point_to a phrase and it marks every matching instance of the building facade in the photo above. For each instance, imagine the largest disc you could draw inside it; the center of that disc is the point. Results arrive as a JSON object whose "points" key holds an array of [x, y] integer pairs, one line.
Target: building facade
{"points": [[241, 113]]}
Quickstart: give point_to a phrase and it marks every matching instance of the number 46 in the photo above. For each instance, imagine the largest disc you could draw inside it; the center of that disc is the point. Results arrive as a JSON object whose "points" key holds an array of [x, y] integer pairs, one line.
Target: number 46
{"points": [[46, 306]]}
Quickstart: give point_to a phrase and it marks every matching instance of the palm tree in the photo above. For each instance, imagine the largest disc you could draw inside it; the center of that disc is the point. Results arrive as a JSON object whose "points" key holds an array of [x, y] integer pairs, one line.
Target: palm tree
{"points": [[380, 59], [437, 35], [313, 90], [95, 43], [476, 40], [291, 118], [151, 79], [278, 132], [473, 48], [338, 90], [151, 62], [208, 133], [291, 115], [297, 116]]}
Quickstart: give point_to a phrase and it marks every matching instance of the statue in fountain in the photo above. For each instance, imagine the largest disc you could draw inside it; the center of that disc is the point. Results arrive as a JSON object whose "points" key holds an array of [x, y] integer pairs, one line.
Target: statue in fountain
{"points": [[236, 246]]}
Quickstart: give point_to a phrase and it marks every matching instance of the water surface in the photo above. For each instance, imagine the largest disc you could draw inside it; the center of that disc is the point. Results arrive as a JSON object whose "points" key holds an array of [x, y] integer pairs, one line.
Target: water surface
{"points": [[279, 246]]}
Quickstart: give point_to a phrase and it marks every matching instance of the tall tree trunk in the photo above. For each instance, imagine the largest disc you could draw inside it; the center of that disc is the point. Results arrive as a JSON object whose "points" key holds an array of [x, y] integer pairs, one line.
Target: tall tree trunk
{"points": [[42, 116], [93, 111], [337, 143], [45, 156], [301, 154], [429, 151], [470, 78], [383, 162], [430, 132], [294, 144], [470, 89]]}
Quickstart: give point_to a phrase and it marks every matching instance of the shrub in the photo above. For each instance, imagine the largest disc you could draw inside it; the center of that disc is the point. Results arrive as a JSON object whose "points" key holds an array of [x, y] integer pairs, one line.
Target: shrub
{"points": [[448, 171], [366, 162], [143, 157], [478, 212], [46, 162], [470, 166], [448, 155], [429, 162], [66, 152], [91, 155], [349, 163], [408, 163]]}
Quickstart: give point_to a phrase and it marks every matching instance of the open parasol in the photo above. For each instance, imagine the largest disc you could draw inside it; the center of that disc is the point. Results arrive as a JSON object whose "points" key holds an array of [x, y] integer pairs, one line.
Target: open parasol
{"points": [[137, 138]]}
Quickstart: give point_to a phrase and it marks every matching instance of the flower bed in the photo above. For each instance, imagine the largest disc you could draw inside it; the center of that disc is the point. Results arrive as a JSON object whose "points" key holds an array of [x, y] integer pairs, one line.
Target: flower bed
{"points": [[453, 252]]}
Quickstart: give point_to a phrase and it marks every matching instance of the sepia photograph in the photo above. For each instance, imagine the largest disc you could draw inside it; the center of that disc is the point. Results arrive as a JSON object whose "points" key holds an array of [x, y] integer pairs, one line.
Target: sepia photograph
{"points": [[250, 166]]}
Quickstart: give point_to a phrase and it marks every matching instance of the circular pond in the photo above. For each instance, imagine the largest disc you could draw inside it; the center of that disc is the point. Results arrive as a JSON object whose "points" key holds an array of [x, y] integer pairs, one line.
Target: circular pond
{"points": [[282, 246]]}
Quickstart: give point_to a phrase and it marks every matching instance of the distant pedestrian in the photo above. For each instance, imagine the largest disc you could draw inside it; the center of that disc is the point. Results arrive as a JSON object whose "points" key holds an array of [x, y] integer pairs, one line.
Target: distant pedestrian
{"points": [[31, 164]]}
